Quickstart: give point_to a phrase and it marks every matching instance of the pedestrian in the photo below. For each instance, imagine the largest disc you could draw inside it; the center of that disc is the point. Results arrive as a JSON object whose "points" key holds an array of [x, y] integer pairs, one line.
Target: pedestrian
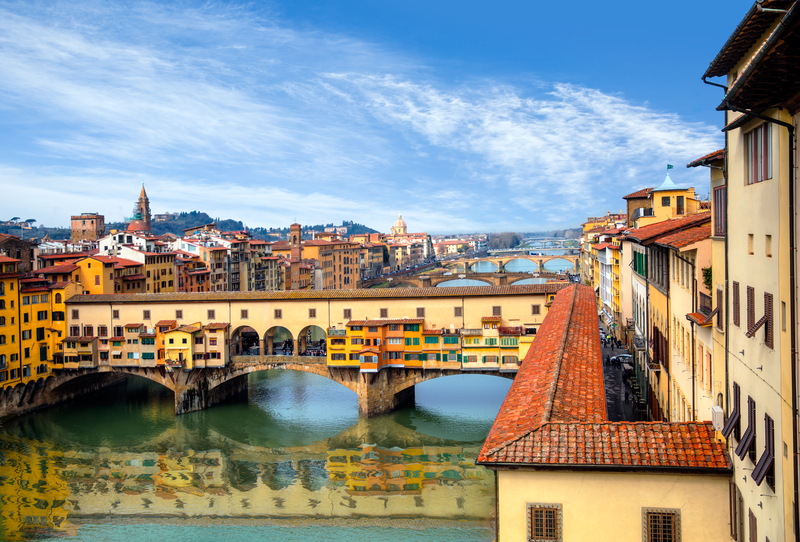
{"points": [[608, 359], [626, 397]]}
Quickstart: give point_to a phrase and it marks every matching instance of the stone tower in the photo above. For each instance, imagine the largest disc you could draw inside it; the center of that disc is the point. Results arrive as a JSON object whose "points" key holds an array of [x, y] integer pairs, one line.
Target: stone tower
{"points": [[295, 241], [141, 214]]}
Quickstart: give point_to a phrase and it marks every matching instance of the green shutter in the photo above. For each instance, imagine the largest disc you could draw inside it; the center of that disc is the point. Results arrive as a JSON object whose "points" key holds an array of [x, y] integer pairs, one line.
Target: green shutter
{"points": [[408, 357], [459, 358], [438, 357]]}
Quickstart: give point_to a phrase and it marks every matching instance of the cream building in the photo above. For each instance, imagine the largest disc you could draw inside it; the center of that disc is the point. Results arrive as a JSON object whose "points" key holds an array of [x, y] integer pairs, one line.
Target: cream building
{"points": [[761, 116]]}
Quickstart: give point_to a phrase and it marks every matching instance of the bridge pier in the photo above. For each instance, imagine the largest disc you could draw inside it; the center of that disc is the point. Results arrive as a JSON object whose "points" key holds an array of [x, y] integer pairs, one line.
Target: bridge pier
{"points": [[385, 391], [198, 390], [501, 280], [426, 281]]}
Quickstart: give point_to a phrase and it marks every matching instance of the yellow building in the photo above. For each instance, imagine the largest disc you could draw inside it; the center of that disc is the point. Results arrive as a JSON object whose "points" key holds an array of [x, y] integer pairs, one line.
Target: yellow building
{"points": [[9, 322], [669, 201]]}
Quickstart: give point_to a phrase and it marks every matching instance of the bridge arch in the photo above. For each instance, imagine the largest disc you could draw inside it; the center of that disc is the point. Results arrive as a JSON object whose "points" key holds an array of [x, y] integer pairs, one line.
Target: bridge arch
{"points": [[570, 263], [244, 339], [312, 337], [534, 266], [451, 279], [278, 340]]}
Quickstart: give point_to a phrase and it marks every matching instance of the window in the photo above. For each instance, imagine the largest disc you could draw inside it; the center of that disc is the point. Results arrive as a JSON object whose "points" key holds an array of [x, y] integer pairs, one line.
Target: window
{"points": [[536, 309], [544, 522], [26, 334], [146, 315], [39, 333], [244, 314], [384, 313], [457, 312], [58, 298], [432, 340], [661, 524], [41, 315], [178, 315], [758, 154], [171, 341], [278, 314], [312, 313], [114, 314], [665, 201], [495, 311], [394, 340], [720, 212], [753, 526], [26, 300], [348, 314], [211, 314], [679, 205], [736, 312], [420, 312], [76, 315]]}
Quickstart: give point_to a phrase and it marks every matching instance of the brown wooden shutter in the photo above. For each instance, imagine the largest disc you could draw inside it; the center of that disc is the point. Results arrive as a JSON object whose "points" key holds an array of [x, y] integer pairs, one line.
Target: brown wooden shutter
{"points": [[769, 337], [732, 508], [753, 527], [736, 313], [751, 307]]}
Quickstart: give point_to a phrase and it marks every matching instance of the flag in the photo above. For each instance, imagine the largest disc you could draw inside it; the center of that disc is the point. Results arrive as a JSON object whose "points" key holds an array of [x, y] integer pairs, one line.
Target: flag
{"points": [[670, 166]]}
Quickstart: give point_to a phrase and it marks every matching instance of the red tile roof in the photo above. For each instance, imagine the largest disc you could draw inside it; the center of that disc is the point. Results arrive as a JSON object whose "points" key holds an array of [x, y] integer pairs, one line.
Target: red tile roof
{"points": [[555, 414], [707, 159], [601, 246], [386, 321], [216, 325], [686, 237], [6, 259], [166, 323], [643, 193], [61, 269], [699, 318], [185, 329], [651, 232], [124, 262], [133, 325]]}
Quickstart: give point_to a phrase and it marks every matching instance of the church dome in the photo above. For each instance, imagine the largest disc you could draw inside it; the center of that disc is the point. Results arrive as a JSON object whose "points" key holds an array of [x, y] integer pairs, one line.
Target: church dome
{"points": [[399, 223], [138, 225]]}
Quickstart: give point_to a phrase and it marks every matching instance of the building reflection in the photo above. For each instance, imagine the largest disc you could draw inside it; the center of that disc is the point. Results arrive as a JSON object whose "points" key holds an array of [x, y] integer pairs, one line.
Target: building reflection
{"points": [[47, 492]]}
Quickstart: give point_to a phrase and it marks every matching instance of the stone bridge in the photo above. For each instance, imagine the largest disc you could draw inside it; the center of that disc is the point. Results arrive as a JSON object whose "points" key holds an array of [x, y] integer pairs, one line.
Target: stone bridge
{"points": [[198, 389], [425, 281], [501, 261]]}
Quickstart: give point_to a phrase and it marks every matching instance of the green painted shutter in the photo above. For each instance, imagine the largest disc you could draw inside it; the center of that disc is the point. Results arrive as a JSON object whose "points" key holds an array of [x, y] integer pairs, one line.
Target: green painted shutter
{"points": [[438, 357]]}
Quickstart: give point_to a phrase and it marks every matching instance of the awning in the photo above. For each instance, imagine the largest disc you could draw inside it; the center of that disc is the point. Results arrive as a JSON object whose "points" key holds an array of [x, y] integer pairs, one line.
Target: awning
{"points": [[116, 352]]}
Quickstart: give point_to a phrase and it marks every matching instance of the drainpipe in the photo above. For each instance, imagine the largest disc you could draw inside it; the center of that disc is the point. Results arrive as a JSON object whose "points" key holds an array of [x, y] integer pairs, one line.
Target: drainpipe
{"points": [[692, 343], [792, 299]]}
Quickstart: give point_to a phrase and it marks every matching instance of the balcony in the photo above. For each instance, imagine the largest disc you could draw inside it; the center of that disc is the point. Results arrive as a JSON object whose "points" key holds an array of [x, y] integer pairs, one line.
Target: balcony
{"points": [[340, 332], [465, 332]]}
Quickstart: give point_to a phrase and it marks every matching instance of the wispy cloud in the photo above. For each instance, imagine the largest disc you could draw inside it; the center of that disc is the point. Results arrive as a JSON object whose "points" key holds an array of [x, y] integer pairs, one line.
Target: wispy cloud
{"points": [[230, 110]]}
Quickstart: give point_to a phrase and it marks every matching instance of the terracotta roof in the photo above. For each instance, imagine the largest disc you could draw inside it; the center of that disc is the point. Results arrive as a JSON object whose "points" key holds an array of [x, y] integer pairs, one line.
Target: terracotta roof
{"points": [[601, 246], [356, 323], [639, 194], [216, 325], [561, 378], [686, 237], [386, 321], [117, 339], [613, 231], [124, 262], [649, 233], [185, 329], [166, 323], [707, 159], [6, 259], [491, 319], [147, 334], [61, 269], [67, 255], [364, 293], [599, 229], [555, 416], [370, 350], [133, 325], [104, 259], [431, 331], [687, 445]]}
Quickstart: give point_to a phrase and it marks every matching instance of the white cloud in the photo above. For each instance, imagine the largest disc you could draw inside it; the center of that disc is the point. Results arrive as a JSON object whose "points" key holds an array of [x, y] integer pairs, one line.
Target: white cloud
{"points": [[228, 110]]}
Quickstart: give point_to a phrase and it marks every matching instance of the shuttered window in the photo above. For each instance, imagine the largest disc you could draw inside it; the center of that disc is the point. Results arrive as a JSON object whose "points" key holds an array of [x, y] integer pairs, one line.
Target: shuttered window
{"points": [[720, 299], [751, 306], [733, 419], [746, 445], [544, 522], [753, 527], [720, 211], [769, 337], [736, 312], [766, 464]]}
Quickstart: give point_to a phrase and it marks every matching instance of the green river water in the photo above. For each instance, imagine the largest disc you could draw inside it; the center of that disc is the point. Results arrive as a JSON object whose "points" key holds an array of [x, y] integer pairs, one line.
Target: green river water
{"points": [[294, 462]]}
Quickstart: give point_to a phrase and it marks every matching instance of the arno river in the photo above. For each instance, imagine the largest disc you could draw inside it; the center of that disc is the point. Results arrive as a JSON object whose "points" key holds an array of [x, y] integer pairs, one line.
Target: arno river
{"points": [[294, 462]]}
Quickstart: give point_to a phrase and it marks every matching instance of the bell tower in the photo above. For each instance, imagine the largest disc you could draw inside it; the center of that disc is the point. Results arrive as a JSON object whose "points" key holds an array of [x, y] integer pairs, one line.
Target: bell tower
{"points": [[295, 240]]}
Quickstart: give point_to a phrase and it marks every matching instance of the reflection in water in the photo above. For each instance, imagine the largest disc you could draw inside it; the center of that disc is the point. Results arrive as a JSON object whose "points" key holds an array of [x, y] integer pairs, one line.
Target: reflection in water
{"points": [[297, 449], [462, 282]]}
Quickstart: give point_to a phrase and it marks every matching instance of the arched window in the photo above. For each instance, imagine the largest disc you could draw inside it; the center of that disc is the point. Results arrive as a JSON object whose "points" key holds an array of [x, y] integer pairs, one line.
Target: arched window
{"points": [[2, 304], [2, 320], [58, 298], [2, 339]]}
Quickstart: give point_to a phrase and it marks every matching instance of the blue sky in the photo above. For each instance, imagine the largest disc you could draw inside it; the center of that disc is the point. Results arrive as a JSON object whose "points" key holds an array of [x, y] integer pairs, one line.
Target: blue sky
{"points": [[463, 116]]}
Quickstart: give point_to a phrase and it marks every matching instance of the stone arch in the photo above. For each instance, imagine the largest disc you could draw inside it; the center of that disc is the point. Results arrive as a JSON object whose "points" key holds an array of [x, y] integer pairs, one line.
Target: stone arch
{"points": [[488, 282], [278, 340], [66, 384], [243, 340], [557, 258], [312, 337], [523, 259]]}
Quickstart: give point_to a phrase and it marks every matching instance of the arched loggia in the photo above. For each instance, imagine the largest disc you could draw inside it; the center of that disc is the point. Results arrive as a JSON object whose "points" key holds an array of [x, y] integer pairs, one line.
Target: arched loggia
{"points": [[278, 341]]}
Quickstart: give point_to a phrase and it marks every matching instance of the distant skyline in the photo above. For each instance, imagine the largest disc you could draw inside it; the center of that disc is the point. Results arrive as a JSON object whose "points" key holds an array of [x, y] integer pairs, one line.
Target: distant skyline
{"points": [[461, 116]]}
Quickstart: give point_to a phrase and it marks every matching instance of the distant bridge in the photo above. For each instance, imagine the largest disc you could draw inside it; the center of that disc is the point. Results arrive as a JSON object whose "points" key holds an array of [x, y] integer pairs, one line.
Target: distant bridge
{"points": [[202, 388], [466, 264], [424, 281], [544, 242]]}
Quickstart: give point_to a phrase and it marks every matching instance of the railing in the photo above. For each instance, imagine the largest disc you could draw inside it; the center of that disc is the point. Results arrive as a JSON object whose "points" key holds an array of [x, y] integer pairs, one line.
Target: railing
{"points": [[332, 332], [472, 332]]}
